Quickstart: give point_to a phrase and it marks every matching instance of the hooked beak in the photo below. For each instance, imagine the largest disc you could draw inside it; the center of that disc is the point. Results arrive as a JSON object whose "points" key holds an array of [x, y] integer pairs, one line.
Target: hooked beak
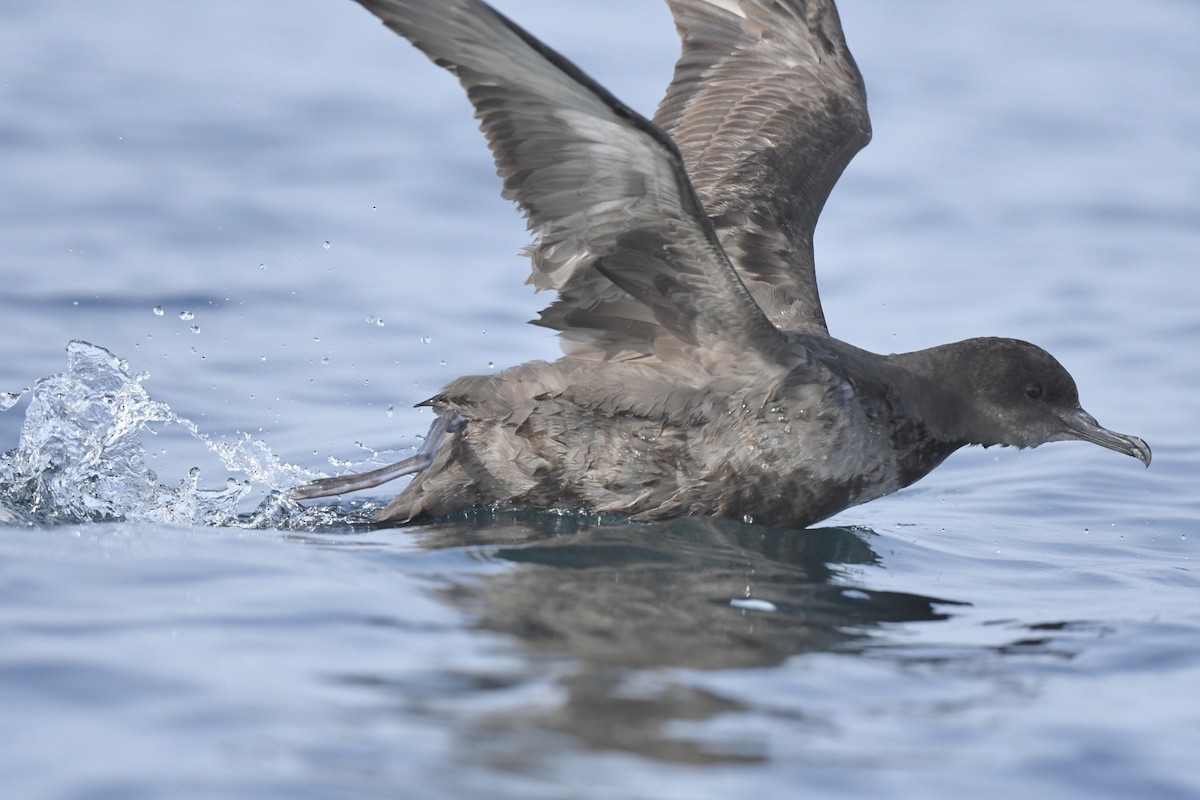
{"points": [[1083, 426]]}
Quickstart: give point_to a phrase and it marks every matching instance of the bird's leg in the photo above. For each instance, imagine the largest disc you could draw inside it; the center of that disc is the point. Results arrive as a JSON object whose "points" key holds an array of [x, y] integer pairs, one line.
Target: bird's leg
{"points": [[448, 422]]}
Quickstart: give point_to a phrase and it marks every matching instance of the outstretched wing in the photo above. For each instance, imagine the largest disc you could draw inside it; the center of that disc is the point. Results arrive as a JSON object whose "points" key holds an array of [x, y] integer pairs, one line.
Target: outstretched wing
{"points": [[767, 107], [620, 232]]}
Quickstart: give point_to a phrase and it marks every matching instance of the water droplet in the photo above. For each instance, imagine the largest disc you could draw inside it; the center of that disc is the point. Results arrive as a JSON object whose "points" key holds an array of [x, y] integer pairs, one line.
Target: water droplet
{"points": [[753, 604], [186, 315], [159, 311], [748, 519], [316, 338], [391, 409], [262, 266], [325, 360], [195, 329], [491, 365], [426, 339], [371, 320], [328, 245], [379, 323], [8, 400]]}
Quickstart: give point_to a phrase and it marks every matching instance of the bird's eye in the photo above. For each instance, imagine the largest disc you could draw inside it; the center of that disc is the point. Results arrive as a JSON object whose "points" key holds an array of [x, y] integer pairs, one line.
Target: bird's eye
{"points": [[1034, 391]]}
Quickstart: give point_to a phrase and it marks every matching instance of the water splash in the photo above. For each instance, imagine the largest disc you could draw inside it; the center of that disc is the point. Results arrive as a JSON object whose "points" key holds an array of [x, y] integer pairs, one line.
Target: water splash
{"points": [[81, 458], [9, 399]]}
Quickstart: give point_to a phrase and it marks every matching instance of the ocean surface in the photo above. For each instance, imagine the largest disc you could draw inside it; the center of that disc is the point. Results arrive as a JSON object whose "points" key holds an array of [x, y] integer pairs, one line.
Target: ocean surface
{"points": [[238, 241]]}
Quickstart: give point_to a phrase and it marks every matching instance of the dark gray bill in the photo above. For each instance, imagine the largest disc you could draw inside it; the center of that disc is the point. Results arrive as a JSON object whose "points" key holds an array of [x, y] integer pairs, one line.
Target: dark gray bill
{"points": [[1082, 425]]}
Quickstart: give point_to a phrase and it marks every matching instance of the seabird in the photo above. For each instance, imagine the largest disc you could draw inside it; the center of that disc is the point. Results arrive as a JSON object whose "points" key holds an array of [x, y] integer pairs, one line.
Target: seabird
{"points": [[698, 375]]}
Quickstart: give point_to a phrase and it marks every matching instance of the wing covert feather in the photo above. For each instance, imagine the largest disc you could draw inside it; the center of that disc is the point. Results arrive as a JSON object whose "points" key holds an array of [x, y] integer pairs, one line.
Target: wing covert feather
{"points": [[620, 232], [767, 107]]}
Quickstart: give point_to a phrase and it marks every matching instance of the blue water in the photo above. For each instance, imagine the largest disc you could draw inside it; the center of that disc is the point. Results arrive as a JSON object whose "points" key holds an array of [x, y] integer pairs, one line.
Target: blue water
{"points": [[308, 204]]}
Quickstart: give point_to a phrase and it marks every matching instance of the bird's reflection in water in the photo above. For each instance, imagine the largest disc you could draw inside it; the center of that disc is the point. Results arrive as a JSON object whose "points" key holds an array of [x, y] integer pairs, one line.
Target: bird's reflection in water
{"points": [[693, 593], [609, 614]]}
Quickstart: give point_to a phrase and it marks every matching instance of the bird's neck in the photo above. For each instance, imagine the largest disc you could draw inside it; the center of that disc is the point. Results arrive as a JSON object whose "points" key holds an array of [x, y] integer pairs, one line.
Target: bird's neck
{"points": [[936, 394], [925, 414], [925, 431]]}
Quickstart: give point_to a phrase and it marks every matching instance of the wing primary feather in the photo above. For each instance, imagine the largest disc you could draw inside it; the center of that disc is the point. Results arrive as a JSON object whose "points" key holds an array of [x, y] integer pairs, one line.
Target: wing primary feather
{"points": [[604, 190]]}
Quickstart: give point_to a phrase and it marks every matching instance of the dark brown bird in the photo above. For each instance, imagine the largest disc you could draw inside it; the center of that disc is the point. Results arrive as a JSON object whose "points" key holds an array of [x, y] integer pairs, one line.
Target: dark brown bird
{"points": [[699, 377]]}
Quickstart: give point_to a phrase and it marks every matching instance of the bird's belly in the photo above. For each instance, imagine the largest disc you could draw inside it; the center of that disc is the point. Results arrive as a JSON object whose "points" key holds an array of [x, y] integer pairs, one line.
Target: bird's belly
{"points": [[788, 472]]}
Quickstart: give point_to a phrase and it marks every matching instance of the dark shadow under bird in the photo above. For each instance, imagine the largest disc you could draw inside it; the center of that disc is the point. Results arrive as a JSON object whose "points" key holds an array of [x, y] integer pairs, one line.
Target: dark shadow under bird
{"points": [[698, 375]]}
